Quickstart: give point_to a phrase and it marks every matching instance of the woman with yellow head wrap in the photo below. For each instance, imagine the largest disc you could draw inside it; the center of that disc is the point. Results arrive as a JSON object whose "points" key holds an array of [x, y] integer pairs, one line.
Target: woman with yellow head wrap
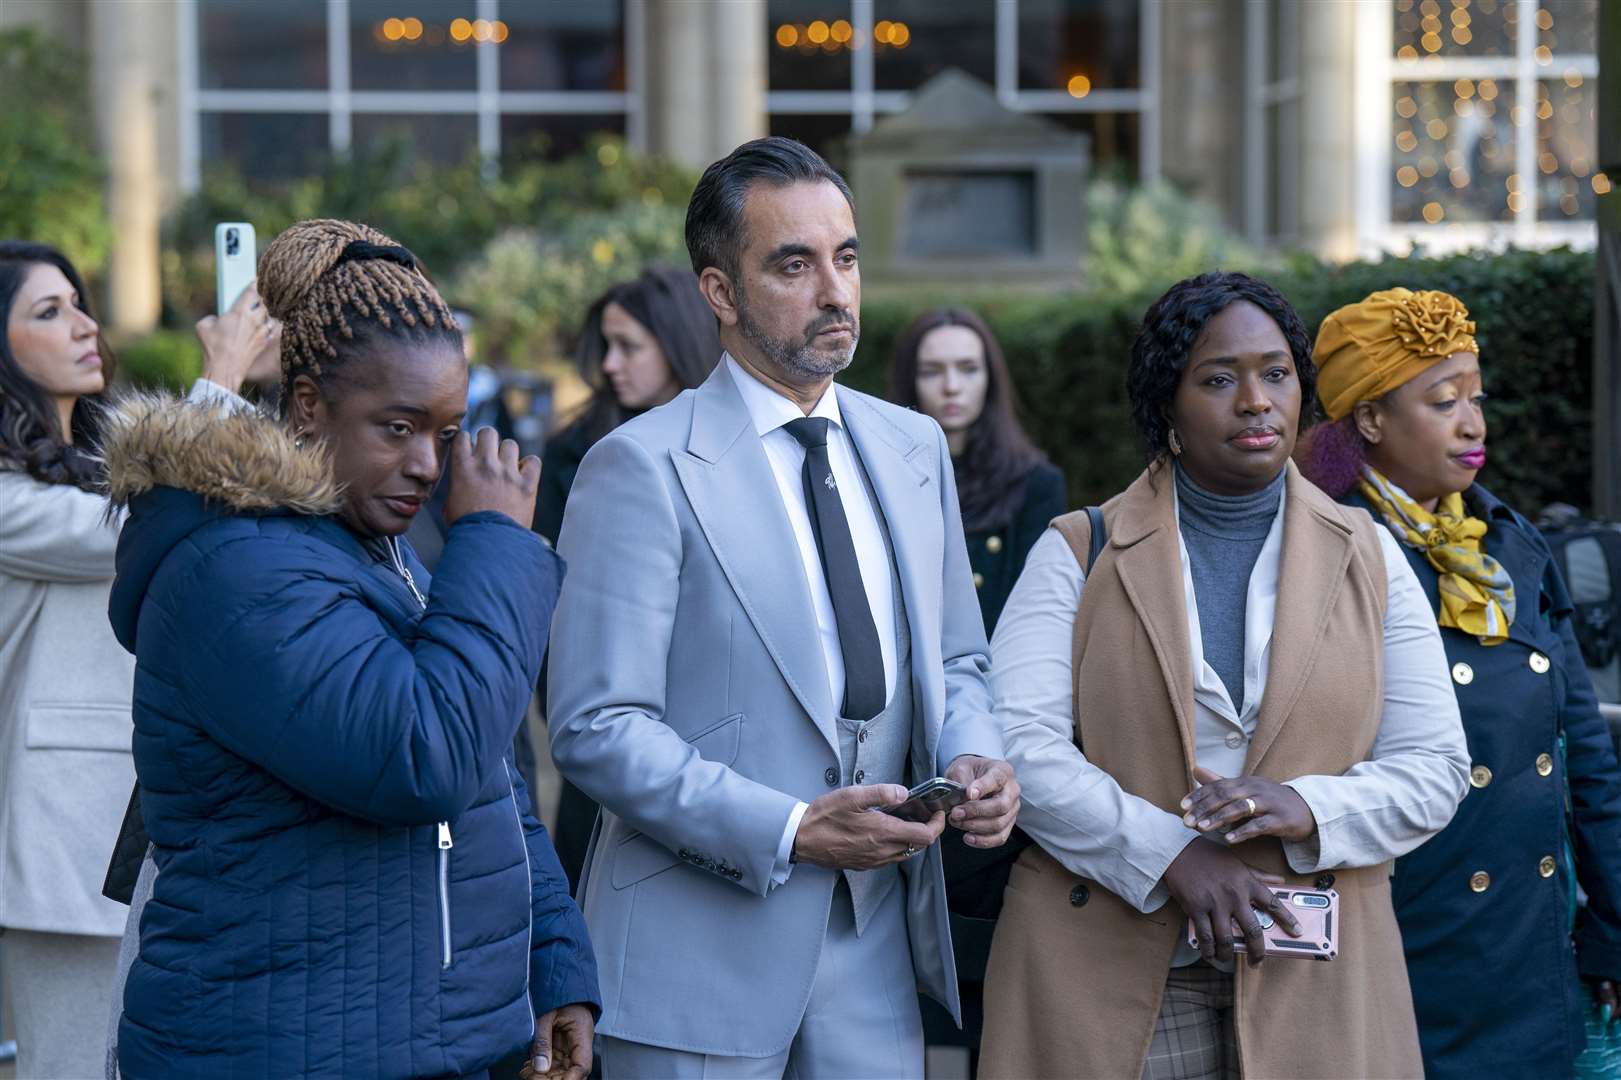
{"points": [[1496, 959]]}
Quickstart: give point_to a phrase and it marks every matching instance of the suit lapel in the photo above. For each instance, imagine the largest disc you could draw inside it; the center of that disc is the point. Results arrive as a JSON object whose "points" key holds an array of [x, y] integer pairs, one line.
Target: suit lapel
{"points": [[733, 492], [1311, 573], [1148, 561]]}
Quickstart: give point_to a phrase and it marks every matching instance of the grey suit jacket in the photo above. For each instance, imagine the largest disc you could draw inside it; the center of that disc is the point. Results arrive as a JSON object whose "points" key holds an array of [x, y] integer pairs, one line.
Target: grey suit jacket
{"points": [[689, 697]]}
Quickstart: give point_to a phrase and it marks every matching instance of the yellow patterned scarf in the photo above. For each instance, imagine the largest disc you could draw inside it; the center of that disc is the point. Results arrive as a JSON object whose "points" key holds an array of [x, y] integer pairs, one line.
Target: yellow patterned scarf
{"points": [[1477, 595]]}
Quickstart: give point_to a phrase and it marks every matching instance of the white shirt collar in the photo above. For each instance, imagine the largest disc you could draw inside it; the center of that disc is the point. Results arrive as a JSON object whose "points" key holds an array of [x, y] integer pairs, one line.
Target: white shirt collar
{"points": [[770, 410]]}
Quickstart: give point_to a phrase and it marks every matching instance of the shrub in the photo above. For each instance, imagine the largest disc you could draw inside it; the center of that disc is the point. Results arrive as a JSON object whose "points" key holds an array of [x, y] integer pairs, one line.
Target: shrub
{"points": [[50, 177], [164, 360], [1534, 311], [1143, 238]]}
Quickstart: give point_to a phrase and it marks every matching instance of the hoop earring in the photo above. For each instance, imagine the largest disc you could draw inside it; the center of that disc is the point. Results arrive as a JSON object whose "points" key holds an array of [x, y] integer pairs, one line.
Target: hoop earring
{"points": [[298, 439], [1175, 443]]}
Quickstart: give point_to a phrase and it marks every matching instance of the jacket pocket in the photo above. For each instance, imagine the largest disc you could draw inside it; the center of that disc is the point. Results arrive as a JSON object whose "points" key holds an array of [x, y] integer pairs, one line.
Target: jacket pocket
{"points": [[721, 741], [79, 726], [639, 857]]}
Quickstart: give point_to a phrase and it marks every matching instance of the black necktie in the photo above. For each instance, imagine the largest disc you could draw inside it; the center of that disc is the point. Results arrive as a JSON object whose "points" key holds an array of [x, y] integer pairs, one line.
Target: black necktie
{"points": [[858, 638]]}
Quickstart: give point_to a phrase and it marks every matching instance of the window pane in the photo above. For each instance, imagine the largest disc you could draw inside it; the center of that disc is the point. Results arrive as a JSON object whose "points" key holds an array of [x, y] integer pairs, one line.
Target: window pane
{"points": [[244, 45], [1283, 157], [1567, 148], [264, 146], [526, 137], [1453, 157], [409, 45], [810, 45], [1283, 52], [1455, 28], [1114, 139], [822, 132], [444, 138], [918, 39], [563, 45], [1095, 39], [1568, 26]]}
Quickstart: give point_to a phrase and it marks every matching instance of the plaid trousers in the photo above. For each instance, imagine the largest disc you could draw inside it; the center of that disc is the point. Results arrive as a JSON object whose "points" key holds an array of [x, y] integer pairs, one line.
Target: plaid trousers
{"points": [[1193, 1036]]}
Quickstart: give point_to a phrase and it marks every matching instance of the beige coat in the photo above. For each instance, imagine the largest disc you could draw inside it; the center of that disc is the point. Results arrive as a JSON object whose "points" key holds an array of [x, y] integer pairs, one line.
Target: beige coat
{"points": [[1076, 974], [65, 683]]}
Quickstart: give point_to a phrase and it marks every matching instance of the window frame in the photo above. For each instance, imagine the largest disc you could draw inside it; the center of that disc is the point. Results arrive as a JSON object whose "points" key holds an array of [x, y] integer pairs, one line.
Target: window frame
{"points": [[1377, 70], [863, 103], [487, 102]]}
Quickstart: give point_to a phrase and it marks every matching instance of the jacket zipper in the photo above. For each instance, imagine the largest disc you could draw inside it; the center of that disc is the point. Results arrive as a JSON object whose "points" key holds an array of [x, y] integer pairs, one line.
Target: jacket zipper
{"points": [[529, 887], [445, 842]]}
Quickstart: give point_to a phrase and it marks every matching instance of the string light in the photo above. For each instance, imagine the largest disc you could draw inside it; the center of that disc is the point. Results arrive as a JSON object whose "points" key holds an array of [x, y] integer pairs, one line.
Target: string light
{"points": [[841, 31], [1079, 86], [1433, 213], [787, 36], [1406, 176], [393, 29], [817, 32], [460, 30], [412, 28], [1601, 184], [1406, 142]]}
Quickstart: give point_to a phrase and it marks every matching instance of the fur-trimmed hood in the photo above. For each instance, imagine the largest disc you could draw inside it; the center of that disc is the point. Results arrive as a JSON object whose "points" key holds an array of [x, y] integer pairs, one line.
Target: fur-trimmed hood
{"points": [[243, 460]]}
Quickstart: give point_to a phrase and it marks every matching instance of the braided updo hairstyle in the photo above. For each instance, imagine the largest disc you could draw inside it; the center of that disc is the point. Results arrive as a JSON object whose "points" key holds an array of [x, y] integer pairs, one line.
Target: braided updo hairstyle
{"points": [[339, 288]]}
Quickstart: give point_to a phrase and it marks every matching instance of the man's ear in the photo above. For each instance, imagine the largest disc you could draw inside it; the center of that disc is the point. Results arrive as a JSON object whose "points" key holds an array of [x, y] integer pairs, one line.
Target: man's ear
{"points": [[718, 290], [1369, 421]]}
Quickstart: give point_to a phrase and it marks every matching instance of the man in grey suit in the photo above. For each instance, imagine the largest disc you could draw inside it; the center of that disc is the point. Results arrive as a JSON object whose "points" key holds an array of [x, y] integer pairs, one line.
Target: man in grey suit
{"points": [[768, 629]]}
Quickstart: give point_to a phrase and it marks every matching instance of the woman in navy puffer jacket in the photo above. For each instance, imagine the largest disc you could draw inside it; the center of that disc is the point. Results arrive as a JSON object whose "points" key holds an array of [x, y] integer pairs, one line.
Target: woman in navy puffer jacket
{"points": [[349, 881]]}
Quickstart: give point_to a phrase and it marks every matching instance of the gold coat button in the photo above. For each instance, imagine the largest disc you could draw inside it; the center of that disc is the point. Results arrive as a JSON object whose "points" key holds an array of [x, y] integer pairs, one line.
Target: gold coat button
{"points": [[1462, 673], [979, 581], [993, 545], [1539, 663], [1547, 866], [1544, 764], [1480, 881], [1480, 776]]}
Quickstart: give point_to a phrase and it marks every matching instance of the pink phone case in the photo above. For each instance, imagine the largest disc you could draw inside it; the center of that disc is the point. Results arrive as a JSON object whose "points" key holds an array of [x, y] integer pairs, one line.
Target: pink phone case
{"points": [[1317, 910]]}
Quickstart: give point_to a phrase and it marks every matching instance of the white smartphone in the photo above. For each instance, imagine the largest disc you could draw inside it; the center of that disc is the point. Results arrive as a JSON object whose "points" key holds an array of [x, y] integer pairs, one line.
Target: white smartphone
{"points": [[236, 261]]}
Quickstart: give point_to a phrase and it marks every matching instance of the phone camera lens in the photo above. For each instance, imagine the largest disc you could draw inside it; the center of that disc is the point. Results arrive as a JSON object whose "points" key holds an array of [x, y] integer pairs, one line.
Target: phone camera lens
{"points": [[233, 241]]}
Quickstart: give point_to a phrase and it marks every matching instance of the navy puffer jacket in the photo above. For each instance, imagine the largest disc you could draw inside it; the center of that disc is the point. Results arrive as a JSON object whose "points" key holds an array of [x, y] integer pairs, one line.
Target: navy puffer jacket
{"points": [[349, 880]]}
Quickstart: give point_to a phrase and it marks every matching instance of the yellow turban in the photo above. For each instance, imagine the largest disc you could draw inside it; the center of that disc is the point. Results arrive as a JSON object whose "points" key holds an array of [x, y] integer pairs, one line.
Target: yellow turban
{"points": [[1366, 350]]}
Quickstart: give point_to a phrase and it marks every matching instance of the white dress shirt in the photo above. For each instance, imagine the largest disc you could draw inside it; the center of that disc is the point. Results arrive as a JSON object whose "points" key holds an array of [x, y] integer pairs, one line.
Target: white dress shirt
{"points": [[1378, 809], [770, 412]]}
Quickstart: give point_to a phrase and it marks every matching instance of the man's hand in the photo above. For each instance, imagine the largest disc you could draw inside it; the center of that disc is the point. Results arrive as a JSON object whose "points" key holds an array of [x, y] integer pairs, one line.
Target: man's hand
{"points": [[1249, 806], [562, 1046], [842, 830], [242, 345], [993, 800]]}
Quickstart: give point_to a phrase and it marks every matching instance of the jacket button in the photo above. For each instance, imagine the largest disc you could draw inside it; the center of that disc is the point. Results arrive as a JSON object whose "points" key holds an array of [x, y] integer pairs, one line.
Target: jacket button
{"points": [[1544, 764], [1479, 776], [1324, 881], [1079, 895], [684, 854], [1462, 673], [832, 777], [1480, 881], [1539, 663], [979, 581], [993, 544], [861, 736], [1547, 866], [860, 775], [1233, 740]]}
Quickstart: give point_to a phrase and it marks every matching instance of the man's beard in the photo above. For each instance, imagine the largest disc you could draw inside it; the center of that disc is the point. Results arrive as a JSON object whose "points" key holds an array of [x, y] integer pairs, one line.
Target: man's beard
{"points": [[801, 357]]}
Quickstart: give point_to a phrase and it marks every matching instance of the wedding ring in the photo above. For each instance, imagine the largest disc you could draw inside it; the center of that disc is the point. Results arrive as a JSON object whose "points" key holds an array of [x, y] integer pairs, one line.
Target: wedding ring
{"points": [[910, 851], [1251, 804]]}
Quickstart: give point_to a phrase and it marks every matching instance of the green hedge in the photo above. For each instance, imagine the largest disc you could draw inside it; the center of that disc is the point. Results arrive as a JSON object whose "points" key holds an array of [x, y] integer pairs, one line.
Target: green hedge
{"points": [[164, 360], [1534, 311]]}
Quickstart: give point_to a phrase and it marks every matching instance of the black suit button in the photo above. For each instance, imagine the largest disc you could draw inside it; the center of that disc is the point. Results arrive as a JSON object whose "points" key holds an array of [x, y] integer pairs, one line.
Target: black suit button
{"points": [[1324, 881], [683, 853], [832, 777], [1079, 895], [860, 775]]}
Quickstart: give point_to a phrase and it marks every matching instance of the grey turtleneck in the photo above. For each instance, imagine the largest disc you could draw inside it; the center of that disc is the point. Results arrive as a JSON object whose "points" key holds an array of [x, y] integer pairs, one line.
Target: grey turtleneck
{"points": [[1224, 535]]}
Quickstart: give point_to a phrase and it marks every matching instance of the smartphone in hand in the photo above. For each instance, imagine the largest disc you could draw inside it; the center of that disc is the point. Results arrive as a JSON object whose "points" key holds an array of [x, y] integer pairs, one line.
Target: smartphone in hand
{"points": [[236, 259], [1318, 911], [929, 798]]}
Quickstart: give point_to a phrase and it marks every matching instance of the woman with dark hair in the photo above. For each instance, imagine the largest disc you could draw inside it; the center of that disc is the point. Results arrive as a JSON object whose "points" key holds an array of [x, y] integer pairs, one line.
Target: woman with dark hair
{"points": [[948, 365], [1401, 384], [349, 880], [644, 341], [1243, 691], [64, 681]]}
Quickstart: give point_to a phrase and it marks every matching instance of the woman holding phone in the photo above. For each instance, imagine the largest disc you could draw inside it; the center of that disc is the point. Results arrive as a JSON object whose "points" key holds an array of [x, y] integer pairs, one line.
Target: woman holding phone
{"points": [[349, 879], [1494, 893], [65, 767], [1287, 722]]}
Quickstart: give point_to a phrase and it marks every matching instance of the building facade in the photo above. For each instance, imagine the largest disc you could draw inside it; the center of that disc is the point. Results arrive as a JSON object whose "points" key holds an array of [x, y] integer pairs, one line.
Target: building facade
{"points": [[1346, 127]]}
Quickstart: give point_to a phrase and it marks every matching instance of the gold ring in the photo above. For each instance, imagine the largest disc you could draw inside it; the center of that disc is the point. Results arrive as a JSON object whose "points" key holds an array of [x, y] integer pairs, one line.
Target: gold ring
{"points": [[910, 851], [1251, 804]]}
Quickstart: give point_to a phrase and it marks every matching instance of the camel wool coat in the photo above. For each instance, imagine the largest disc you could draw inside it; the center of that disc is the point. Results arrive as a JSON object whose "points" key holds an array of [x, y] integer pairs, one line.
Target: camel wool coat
{"points": [[1076, 973]]}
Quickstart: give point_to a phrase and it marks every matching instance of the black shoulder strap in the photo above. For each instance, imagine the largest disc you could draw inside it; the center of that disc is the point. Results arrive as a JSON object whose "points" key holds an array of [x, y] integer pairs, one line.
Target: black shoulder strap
{"points": [[1100, 536]]}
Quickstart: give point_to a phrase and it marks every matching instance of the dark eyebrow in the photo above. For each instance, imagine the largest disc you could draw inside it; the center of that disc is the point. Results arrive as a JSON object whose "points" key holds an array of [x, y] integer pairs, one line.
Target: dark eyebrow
{"points": [[782, 251], [409, 410], [1232, 361], [51, 299], [1446, 379]]}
